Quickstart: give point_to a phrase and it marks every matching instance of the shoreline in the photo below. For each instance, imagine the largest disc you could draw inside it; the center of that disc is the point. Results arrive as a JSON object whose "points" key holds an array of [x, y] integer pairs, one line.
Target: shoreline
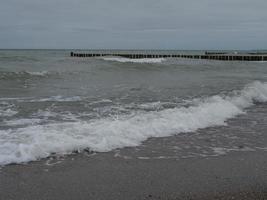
{"points": [[226, 162]]}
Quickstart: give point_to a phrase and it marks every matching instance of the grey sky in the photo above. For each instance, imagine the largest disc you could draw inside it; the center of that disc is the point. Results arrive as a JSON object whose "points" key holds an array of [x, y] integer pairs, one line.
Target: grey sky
{"points": [[124, 24]]}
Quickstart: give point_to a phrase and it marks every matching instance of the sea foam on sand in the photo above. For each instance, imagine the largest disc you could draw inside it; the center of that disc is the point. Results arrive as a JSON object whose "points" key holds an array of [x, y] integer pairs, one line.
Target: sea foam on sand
{"points": [[39, 141]]}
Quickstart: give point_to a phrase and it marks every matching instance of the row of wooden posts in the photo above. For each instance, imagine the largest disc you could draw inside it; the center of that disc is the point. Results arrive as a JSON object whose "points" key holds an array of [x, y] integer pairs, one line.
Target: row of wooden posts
{"points": [[210, 56]]}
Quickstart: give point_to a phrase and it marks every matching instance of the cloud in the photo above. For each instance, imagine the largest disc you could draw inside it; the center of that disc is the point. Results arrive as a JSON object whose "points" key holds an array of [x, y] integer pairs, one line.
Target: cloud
{"points": [[180, 24]]}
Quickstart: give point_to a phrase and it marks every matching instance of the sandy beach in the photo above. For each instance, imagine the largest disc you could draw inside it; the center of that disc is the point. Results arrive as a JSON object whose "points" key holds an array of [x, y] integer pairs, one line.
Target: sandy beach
{"points": [[235, 176]]}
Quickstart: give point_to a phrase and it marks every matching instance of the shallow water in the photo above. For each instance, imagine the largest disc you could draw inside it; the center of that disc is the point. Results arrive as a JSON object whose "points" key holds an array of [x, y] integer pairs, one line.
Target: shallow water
{"points": [[52, 103]]}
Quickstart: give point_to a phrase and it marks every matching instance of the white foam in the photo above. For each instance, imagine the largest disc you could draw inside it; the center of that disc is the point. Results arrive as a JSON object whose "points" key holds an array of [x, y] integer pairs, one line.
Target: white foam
{"points": [[130, 60], [46, 114], [101, 101], [31, 73], [18, 122], [57, 98], [152, 106], [7, 110], [39, 141], [40, 73]]}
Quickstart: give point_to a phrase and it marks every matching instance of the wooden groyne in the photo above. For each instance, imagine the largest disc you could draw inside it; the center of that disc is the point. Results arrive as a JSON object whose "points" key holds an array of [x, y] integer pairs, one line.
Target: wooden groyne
{"points": [[208, 55]]}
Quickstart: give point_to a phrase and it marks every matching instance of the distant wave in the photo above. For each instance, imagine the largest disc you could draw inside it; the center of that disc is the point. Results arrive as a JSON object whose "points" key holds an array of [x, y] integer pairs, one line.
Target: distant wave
{"points": [[7, 110], [41, 73], [39, 141], [21, 74], [57, 98], [129, 60]]}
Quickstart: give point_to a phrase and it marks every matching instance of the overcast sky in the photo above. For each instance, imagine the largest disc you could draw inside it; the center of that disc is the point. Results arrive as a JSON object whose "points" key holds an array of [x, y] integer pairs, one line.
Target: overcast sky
{"points": [[135, 24]]}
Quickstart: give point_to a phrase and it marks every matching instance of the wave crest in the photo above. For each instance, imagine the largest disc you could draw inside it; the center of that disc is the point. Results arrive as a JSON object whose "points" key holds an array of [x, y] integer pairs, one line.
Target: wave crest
{"points": [[21, 74], [130, 60], [39, 141]]}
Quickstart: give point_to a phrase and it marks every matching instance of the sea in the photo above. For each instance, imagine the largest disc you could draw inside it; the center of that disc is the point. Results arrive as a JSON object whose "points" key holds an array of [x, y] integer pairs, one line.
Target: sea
{"points": [[54, 104]]}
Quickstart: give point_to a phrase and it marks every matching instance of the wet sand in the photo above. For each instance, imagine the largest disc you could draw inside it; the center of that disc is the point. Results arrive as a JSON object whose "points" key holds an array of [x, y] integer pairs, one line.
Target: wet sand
{"points": [[235, 176], [228, 162]]}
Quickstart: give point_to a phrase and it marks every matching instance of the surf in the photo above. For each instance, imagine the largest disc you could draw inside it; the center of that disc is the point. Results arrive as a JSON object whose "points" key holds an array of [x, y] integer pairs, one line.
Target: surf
{"points": [[105, 134], [129, 60]]}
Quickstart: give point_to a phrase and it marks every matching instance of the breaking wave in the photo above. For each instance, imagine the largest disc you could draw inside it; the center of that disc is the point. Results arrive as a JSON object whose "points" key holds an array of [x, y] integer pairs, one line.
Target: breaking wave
{"points": [[7, 110], [57, 98], [41, 73], [39, 141], [21, 74], [129, 60]]}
